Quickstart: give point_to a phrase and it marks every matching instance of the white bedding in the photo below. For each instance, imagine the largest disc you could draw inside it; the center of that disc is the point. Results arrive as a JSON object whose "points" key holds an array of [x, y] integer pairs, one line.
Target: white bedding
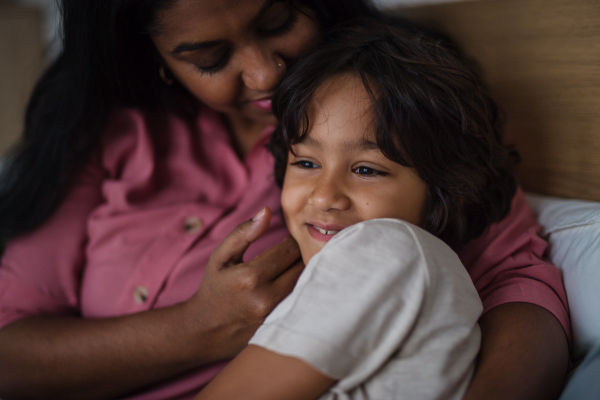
{"points": [[572, 228]]}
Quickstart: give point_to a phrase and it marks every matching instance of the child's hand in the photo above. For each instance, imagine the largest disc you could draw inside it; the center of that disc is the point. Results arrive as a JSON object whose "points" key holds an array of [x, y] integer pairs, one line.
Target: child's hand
{"points": [[235, 297]]}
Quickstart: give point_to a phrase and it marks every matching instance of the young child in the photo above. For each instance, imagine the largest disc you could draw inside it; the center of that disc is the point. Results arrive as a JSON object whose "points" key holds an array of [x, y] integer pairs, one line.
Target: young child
{"points": [[389, 156]]}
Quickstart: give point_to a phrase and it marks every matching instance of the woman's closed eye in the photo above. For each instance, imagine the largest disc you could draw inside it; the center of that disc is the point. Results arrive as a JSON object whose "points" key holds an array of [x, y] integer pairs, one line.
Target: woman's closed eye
{"points": [[278, 20], [214, 66]]}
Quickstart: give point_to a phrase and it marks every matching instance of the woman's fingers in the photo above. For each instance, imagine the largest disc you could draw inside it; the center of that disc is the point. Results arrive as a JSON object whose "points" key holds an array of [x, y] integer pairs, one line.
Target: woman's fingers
{"points": [[233, 247], [276, 260], [234, 297], [286, 281], [265, 267], [271, 276]]}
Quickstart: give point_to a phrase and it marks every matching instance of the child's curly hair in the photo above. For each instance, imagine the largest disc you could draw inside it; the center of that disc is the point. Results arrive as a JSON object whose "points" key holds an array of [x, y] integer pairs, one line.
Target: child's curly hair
{"points": [[430, 110]]}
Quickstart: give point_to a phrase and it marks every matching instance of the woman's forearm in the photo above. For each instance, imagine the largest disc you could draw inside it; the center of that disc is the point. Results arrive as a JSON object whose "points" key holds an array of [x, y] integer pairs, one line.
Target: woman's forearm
{"points": [[524, 355], [59, 357]]}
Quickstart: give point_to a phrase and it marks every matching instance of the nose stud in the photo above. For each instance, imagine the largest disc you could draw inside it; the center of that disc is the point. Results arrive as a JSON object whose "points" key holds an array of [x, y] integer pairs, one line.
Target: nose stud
{"points": [[279, 65]]}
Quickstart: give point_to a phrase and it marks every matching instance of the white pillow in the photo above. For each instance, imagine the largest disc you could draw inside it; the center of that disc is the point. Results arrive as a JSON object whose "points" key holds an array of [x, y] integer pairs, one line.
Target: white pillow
{"points": [[572, 227]]}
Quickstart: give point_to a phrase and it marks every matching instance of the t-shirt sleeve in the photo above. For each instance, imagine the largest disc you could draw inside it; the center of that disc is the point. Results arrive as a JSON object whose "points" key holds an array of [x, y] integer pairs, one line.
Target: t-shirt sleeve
{"points": [[343, 303], [509, 264], [40, 271], [370, 304]]}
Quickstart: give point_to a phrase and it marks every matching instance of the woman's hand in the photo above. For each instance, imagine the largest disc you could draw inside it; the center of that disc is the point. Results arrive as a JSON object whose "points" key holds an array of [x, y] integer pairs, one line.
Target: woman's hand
{"points": [[235, 297], [76, 358]]}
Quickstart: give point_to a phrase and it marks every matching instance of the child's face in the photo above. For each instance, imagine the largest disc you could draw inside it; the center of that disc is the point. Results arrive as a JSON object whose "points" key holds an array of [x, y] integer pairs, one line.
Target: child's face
{"points": [[339, 177]]}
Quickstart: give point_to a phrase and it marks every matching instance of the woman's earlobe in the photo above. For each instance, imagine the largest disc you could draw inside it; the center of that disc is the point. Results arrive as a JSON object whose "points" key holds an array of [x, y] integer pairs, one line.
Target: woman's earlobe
{"points": [[165, 75]]}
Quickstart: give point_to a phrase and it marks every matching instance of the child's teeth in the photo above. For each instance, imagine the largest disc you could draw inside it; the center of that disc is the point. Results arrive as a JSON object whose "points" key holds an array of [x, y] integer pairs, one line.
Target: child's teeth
{"points": [[324, 232]]}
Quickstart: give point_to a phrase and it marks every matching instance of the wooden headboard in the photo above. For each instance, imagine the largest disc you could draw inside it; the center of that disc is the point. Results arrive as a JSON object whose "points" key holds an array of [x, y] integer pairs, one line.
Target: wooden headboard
{"points": [[541, 59]]}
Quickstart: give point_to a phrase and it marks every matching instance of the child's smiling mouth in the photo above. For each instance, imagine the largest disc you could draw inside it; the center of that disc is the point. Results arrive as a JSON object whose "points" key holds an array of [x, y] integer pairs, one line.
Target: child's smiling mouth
{"points": [[323, 232]]}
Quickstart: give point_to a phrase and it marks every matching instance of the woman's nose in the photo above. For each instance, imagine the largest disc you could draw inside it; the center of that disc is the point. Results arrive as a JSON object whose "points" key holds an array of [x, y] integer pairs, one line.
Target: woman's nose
{"points": [[261, 69], [328, 194]]}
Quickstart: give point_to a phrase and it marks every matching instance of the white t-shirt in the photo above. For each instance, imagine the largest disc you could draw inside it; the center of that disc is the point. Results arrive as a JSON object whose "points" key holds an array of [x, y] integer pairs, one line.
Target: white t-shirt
{"points": [[387, 309]]}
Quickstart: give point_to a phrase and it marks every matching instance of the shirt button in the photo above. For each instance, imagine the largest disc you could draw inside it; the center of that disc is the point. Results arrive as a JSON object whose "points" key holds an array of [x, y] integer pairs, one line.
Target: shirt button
{"points": [[193, 225], [140, 294]]}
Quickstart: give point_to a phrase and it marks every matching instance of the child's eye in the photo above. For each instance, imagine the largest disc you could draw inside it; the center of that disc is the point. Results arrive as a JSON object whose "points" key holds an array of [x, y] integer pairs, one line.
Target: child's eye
{"points": [[305, 164], [368, 171]]}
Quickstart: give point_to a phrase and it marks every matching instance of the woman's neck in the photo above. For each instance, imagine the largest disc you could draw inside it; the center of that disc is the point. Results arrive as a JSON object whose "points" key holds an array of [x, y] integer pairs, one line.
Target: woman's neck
{"points": [[244, 133]]}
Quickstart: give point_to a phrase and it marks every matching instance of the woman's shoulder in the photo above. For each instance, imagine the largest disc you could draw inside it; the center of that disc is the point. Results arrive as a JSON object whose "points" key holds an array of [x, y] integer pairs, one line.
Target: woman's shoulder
{"points": [[498, 241], [147, 130], [122, 120], [153, 120]]}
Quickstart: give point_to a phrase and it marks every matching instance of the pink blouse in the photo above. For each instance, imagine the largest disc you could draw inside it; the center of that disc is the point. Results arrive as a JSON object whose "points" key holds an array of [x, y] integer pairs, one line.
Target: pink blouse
{"points": [[137, 230]]}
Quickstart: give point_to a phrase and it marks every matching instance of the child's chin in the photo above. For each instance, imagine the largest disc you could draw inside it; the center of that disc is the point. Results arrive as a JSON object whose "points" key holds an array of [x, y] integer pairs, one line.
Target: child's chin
{"points": [[306, 259], [307, 255], [309, 249]]}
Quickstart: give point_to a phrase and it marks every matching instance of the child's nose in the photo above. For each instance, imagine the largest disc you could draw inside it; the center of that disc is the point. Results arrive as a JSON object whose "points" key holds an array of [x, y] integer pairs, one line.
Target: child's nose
{"points": [[329, 194]]}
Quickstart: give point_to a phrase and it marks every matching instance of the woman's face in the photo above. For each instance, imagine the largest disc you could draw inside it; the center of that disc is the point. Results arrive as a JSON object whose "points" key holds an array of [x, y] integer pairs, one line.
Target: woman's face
{"points": [[232, 54]]}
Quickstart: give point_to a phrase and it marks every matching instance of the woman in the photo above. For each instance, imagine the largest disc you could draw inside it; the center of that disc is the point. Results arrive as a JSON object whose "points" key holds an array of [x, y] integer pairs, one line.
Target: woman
{"points": [[143, 150]]}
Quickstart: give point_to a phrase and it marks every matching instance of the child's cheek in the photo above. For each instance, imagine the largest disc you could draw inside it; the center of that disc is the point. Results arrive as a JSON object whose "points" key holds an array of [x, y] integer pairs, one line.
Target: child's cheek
{"points": [[288, 207], [293, 203]]}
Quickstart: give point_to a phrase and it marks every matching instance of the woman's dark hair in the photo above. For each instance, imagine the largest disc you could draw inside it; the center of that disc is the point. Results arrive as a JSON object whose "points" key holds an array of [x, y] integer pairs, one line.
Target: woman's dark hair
{"points": [[430, 112], [107, 61]]}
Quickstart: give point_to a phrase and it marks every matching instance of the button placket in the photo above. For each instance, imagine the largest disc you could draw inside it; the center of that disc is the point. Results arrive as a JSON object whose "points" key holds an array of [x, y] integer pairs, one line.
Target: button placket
{"points": [[193, 225], [178, 237], [140, 294]]}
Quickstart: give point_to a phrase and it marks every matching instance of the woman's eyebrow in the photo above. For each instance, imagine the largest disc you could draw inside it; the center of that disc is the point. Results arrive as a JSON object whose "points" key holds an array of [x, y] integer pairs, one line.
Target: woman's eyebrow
{"points": [[193, 46], [189, 46]]}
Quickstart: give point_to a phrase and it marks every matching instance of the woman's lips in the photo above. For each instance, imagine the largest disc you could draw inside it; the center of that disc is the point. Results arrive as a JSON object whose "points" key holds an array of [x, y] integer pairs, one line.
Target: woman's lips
{"points": [[263, 104]]}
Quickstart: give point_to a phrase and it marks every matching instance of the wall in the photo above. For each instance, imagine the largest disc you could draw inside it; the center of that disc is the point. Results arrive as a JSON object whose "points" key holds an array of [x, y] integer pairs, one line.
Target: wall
{"points": [[21, 62]]}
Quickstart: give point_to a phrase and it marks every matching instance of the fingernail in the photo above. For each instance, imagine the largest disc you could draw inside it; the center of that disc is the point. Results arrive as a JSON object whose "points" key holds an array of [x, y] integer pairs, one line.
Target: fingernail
{"points": [[260, 214]]}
